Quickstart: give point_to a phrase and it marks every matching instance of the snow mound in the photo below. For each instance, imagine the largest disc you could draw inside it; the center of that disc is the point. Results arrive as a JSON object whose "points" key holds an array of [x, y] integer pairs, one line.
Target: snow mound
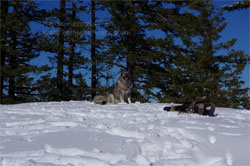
{"points": [[80, 133]]}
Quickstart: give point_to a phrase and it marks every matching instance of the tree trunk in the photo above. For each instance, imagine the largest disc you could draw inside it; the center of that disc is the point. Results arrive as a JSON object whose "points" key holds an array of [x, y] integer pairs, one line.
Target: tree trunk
{"points": [[72, 54], [93, 50], [61, 50], [12, 64], [131, 48], [4, 11]]}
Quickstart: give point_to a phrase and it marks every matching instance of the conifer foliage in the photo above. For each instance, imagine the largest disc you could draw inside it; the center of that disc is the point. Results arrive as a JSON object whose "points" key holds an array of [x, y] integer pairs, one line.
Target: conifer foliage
{"points": [[18, 48], [237, 5], [67, 35], [173, 50]]}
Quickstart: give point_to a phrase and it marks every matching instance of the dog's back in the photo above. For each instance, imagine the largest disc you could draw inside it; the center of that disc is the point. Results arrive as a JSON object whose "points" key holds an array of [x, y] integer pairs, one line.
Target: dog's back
{"points": [[104, 99], [100, 99]]}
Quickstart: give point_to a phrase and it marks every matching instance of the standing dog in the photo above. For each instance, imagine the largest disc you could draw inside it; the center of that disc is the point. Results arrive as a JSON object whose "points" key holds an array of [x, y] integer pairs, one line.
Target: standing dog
{"points": [[121, 92]]}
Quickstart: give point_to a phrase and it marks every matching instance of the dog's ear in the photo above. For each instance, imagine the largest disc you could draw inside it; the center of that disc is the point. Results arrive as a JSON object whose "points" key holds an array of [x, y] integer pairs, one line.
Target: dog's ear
{"points": [[123, 71]]}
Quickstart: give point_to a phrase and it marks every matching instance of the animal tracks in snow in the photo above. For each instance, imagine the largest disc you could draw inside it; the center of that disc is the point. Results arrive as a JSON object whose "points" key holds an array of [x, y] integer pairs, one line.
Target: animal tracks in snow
{"points": [[212, 139], [79, 133]]}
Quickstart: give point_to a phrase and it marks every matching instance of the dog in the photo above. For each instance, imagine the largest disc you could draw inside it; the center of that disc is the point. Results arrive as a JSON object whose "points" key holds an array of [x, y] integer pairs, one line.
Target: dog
{"points": [[121, 92], [199, 106], [123, 88]]}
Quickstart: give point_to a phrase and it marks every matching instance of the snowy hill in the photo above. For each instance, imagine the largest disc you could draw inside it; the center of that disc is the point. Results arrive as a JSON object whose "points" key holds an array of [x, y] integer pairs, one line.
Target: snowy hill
{"points": [[79, 133]]}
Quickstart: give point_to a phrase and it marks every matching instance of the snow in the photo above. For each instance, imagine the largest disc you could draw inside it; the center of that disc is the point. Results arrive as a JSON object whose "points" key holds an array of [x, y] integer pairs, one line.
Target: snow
{"points": [[81, 133]]}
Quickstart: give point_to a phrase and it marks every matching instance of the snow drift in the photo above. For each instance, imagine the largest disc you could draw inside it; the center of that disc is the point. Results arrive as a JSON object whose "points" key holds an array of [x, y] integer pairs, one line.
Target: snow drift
{"points": [[80, 133]]}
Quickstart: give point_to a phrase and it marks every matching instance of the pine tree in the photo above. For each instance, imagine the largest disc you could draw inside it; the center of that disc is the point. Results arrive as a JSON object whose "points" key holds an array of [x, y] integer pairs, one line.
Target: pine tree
{"points": [[93, 50], [163, 73], [75, 37], [3, 14], [81, 90], [244, 97], [64, 44], [53, 43], [61, 49], [186, 62], [221, 73], [126, 39], [237, 5], [99, 61], [72, 53], [196, 65], [18, 49]]}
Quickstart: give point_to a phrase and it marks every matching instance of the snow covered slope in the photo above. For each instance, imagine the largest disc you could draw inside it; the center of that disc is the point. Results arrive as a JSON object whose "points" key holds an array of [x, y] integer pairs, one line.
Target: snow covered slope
{"points": [[80, 133]]}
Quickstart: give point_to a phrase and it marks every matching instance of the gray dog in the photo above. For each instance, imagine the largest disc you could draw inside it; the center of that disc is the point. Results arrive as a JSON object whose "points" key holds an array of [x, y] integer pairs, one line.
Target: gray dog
{"points": [[121, 92]]}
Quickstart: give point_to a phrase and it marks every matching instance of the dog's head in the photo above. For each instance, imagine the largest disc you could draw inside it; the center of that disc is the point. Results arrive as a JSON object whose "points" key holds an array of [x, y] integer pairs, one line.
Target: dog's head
{"points": [[125, 75]]}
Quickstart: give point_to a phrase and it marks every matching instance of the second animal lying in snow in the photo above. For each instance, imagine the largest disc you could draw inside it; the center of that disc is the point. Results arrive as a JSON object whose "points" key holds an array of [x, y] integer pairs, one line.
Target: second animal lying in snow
{"points": [[199, 106], [121, 92]]}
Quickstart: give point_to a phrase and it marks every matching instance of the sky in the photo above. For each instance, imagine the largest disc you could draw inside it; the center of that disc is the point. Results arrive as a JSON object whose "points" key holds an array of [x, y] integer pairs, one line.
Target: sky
{"points": [[237, 27]]}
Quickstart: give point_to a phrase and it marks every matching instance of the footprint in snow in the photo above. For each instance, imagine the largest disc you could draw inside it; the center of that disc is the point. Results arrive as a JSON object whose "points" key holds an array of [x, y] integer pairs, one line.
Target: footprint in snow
{"points": [[210, 128], [229, 158], [212, 139]]}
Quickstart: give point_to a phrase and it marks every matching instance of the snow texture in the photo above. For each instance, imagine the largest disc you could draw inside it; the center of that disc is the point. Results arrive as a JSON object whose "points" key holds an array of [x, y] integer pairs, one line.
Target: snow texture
{"points": [[81, 133]]}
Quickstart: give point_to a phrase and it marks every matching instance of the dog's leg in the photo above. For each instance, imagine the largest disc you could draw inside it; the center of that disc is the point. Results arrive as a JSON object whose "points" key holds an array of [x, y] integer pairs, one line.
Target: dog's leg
{"points": [[110, 99], [129, 100], [113, 98], [122, 99]]}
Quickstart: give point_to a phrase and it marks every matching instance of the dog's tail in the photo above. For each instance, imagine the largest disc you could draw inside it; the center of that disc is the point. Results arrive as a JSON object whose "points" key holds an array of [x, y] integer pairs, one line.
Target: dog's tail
{"points": [[179, 108]]}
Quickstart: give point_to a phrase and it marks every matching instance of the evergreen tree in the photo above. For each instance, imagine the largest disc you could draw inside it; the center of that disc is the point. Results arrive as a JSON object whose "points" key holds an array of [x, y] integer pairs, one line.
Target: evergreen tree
{"points": [[196, 65], [93, 49], [75, 37], [183, 61], [163, 71], [81, 90], [3, 13], [237, 5], [72, 52], [64, 44], [100, 61], [18, 47], [221, 72], [61, 50], [126, 40], [53, 43]]}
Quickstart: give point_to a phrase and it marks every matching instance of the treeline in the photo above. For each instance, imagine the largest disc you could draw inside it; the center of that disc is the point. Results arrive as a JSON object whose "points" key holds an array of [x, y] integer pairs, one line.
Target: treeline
{"points": [[171, 48]]}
